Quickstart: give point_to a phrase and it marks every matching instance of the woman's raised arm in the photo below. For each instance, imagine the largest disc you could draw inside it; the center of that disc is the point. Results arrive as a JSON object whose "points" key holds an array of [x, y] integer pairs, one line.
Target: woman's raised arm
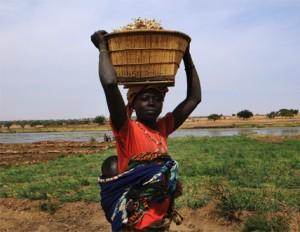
{"points": [[108, 78], [193, 96]]}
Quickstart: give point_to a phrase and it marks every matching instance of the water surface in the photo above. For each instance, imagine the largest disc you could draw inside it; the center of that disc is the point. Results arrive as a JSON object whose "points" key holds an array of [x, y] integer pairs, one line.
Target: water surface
{"points": [[99, 135]]}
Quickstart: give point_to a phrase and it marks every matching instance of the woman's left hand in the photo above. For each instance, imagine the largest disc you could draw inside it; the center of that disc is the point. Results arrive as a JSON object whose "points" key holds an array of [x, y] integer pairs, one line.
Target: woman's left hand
{"points": [[99, 40], [187, 53]]}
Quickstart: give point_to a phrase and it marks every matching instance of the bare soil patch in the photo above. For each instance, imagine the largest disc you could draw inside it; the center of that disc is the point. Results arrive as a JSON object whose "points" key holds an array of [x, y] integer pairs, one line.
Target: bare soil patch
{"points": [[47, 150], [25, 215], [21, 215], [269, 138]]}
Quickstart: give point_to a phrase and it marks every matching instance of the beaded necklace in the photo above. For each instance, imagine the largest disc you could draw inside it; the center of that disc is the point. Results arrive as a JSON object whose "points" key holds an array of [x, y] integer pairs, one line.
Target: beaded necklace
{"points": [[157, 142]]}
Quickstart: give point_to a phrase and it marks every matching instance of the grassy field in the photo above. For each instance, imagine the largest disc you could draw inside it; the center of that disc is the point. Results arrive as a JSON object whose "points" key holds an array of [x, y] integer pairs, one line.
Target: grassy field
{"points": [[238, 173]]}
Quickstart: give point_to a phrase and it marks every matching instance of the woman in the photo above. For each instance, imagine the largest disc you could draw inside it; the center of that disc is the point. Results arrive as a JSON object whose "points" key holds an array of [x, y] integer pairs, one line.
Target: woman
{"points": [[140, 141]]}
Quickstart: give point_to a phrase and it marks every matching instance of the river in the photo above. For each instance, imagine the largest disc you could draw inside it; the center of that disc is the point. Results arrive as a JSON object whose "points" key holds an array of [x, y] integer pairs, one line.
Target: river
{"points": [[98, 135]]}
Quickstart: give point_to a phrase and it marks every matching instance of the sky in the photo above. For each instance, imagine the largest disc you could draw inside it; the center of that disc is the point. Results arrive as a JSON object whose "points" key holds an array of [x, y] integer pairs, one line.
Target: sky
{"points": [[247, 54]]}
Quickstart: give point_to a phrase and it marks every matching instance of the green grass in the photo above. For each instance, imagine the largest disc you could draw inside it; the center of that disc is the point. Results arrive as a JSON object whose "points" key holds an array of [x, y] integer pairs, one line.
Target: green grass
{"points": [[263, 222], [242, 173], [258, 175], [67, 179]]}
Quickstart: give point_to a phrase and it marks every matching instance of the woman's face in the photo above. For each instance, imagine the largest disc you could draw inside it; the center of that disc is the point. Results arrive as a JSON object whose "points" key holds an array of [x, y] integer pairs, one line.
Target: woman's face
{"points": [[148, 104]]}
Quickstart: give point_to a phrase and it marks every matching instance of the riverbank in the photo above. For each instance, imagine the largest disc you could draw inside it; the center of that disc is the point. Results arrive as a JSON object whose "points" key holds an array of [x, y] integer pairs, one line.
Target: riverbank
{"points": [[192, 123], [30, 153], [230, 183], [234, 122]]}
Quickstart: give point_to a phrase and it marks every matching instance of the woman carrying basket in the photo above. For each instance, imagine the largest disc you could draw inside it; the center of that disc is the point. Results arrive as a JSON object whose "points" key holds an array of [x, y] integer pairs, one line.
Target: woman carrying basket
{"points": [[141, 196]]}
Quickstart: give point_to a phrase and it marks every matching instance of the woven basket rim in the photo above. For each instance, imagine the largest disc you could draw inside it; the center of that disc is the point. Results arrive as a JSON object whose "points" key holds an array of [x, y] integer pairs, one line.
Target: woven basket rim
{"points": [[144, 31]]}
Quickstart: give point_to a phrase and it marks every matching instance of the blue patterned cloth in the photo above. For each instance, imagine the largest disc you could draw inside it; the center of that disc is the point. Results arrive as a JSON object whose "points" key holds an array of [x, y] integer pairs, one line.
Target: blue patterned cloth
{"points": [[145, 180]]}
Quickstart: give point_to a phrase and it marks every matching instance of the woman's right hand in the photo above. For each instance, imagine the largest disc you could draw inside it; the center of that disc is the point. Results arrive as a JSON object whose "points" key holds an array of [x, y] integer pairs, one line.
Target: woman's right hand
{"points": [[99, 40]]}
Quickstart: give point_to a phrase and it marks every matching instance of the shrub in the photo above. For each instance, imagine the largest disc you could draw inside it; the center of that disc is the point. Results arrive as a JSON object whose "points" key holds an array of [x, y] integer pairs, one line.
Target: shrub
{"points": [[7, 124], [287, 112], [214, 117], [245, 114], [272, 114], [50, 206], [99, 119], [261, 222], [227, 200], [257, 222]]}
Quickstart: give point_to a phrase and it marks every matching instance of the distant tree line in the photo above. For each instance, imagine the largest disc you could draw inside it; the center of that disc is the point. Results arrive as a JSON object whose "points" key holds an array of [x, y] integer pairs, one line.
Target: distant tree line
{"points": [[283, 113], [59, 122], [100, 119], [245, 114]]}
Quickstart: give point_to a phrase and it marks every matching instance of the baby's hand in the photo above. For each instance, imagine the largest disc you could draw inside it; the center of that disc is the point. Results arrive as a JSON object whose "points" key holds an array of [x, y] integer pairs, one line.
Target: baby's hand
{"points": [[178, 190]]}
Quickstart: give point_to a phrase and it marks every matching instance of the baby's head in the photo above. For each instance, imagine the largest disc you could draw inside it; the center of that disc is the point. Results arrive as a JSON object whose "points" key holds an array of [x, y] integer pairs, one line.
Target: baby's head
{"points": [[109, 167]]}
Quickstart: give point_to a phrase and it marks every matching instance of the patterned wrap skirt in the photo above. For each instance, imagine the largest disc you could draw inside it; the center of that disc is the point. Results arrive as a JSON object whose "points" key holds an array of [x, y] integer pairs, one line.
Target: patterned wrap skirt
{"points": [[126, 197]]}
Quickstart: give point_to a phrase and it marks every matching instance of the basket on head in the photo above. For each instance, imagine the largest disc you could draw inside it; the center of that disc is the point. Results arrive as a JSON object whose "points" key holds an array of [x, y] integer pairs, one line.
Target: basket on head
{"points": [[146, 56]]}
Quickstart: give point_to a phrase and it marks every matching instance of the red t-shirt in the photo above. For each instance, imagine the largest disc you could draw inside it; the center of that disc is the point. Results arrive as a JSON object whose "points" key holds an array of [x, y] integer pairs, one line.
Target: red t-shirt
{"points": [[135, 139]]}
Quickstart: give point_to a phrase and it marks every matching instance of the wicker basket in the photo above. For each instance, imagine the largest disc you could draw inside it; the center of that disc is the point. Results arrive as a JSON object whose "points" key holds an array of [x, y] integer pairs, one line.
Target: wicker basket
{"points": [[147, 56]]}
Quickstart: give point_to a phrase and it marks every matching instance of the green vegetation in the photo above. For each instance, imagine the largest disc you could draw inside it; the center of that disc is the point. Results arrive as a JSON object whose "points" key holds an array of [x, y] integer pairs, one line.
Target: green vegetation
{"points": [[271, 115], [54, 123], [100, 120], [66, 179], [261, 222], [240, 173], [245, 114], [214, 117], [289, 113]]}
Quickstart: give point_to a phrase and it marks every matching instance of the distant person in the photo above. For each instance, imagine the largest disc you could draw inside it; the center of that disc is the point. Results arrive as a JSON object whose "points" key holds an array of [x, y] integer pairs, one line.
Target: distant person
{"points": [[106, 138], [141, 196]]}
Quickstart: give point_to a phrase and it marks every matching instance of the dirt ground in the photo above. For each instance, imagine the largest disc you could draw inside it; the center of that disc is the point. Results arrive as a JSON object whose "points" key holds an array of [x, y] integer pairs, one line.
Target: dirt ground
{"points": [[25, 215], [11, 154], [47, 150]]}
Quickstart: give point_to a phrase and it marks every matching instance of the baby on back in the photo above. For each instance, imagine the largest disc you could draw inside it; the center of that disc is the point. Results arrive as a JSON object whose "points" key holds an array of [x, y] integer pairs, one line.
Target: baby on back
{"points": [[109, 167]]}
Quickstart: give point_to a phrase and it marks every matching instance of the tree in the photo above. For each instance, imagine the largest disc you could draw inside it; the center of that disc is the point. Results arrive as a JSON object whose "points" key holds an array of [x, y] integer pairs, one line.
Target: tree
{"points": [[295, 112], [271, 115], [22, 123], [245, 114], [214, 117], [7, 124], [99, 119], [287, 112]]}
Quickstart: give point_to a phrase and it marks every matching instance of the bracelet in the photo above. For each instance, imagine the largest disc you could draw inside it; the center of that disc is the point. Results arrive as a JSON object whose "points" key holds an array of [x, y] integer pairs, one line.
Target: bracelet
{"points": [[103, 50]]}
